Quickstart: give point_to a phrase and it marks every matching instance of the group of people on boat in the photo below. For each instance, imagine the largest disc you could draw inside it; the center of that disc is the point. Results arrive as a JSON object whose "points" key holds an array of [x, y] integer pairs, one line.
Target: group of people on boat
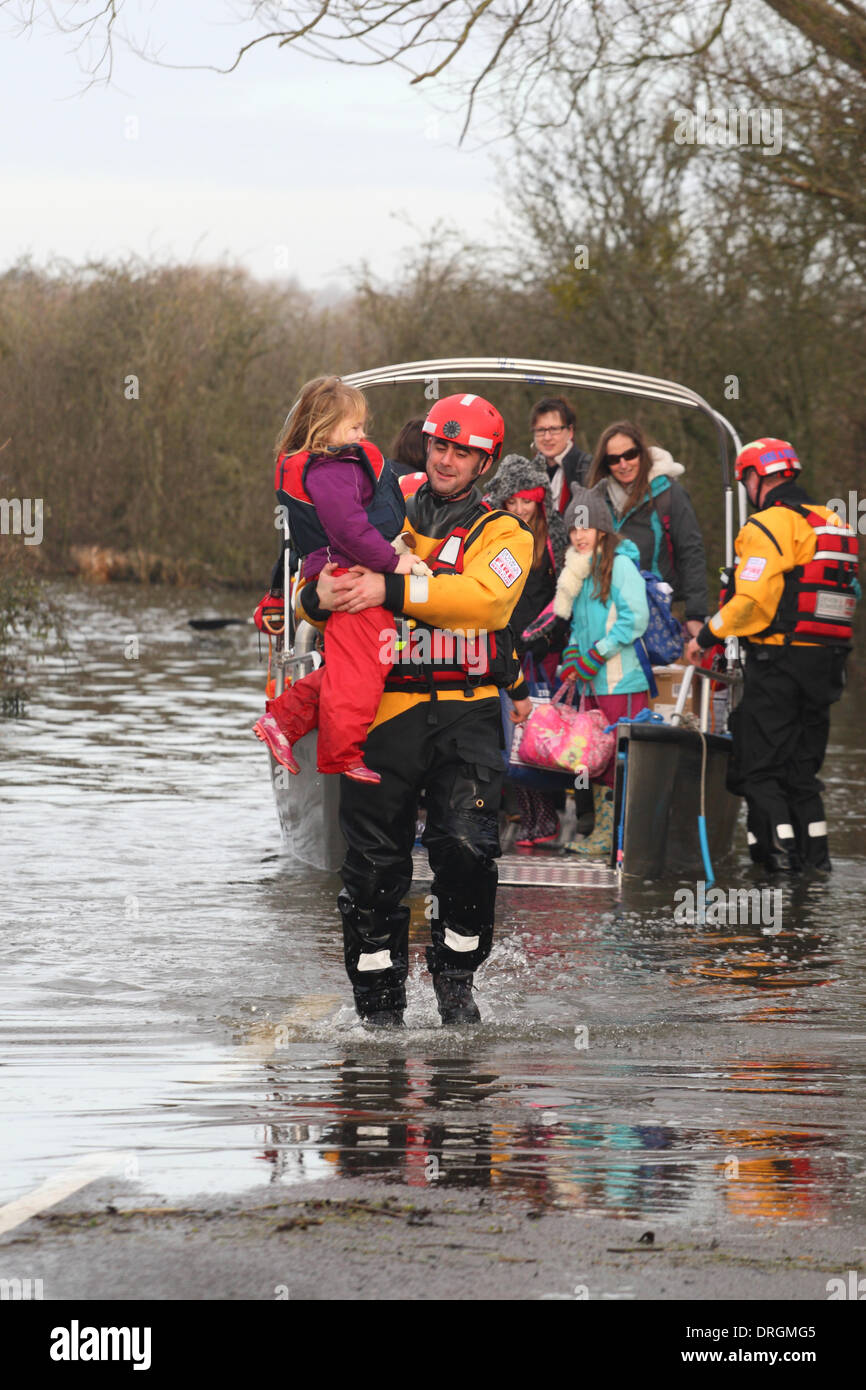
{"points": [[542, 566], [637, 507], [641, 520]]}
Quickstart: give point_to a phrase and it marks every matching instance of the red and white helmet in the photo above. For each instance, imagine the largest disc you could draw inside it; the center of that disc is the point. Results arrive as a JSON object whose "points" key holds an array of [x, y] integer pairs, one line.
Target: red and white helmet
{"points": [[468, 420], [770, 458]]}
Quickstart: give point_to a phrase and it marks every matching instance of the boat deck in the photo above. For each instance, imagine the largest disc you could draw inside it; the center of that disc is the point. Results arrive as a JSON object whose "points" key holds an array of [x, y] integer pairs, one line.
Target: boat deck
{"points": [[538, 868]]}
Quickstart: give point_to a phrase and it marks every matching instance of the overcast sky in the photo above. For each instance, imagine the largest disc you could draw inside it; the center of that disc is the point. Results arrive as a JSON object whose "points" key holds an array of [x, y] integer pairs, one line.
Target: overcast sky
{"points": [[287, 166]]}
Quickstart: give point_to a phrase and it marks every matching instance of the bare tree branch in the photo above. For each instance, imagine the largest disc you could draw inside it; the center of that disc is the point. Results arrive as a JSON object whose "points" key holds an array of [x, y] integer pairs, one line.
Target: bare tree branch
{"points": [[821, 22]]}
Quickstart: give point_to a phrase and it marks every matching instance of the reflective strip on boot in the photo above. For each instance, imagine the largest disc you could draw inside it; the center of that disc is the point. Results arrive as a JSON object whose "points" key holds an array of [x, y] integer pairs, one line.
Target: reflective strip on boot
{"points": [[455, 942], [374, 960]]}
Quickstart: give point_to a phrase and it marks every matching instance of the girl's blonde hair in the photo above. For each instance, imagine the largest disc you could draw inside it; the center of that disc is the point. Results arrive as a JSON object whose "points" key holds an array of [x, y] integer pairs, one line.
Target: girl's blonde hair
{"points": [[321, 406]]}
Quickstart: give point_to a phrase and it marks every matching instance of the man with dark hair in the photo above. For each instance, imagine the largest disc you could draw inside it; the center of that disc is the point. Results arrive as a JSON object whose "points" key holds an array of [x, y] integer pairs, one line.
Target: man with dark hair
{"points": [[438, 726], [553, 422]]}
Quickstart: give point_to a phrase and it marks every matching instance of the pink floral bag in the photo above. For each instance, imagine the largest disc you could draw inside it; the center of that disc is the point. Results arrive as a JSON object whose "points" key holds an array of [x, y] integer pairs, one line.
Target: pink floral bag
{"points": [[564, 739]]}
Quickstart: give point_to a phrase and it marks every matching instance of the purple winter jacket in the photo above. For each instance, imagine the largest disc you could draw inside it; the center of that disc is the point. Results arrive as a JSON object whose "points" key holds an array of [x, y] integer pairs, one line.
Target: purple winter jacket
{"points": [[341, 490]]}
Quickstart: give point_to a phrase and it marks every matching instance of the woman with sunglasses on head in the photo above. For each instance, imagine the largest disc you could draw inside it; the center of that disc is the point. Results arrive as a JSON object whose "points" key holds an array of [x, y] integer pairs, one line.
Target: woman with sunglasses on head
{"points": [[652, 509]]}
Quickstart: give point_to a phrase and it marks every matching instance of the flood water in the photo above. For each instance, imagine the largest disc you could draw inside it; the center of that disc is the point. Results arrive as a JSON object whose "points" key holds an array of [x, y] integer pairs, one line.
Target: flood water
{"points": [[173, 989]]}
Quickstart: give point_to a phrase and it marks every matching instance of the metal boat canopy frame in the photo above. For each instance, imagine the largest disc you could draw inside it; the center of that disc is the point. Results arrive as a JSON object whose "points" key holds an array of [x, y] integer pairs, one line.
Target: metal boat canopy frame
{"points": [[320, 834], [535, 372]]}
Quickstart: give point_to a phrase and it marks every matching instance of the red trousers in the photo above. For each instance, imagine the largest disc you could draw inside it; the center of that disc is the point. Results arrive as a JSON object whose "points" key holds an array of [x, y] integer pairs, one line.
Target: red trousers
{"points": [[340, 698], [615, 707]]}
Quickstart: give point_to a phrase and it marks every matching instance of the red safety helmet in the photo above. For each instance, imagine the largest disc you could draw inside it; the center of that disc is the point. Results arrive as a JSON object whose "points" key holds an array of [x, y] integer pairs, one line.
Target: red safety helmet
{"points": [[770, 458], [468, 420]]}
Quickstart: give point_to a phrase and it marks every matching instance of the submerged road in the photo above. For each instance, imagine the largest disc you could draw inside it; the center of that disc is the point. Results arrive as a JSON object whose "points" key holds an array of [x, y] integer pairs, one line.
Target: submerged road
{"points": [[190, 1108]]}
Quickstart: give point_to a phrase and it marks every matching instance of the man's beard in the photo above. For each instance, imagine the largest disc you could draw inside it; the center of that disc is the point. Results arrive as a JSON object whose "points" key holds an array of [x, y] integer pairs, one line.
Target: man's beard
{"points": [[461, 492]]}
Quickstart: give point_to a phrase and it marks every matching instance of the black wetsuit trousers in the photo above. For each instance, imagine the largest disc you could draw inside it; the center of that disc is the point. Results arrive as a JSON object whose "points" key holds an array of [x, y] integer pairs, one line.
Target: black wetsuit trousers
{"points": [[780, 730], [457, 762]]}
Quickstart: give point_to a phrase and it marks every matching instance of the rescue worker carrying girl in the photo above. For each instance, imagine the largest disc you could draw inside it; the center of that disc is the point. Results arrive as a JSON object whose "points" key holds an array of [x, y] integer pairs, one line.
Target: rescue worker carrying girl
{"points": [[791, 600], [437, 727]]}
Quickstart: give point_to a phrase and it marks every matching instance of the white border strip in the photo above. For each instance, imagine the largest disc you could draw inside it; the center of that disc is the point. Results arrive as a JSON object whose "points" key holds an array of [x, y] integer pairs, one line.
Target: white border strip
{"points": [[54, 1190]]}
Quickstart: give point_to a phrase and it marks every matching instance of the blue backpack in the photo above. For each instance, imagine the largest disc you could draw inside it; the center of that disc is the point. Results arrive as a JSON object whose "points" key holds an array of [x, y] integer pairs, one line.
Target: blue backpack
{"points": [[663, 638]]}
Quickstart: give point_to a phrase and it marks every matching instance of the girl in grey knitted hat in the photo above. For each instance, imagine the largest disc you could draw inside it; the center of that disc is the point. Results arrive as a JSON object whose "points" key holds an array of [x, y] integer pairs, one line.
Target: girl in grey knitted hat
{"points": [[602, 596], [588, 508], [522, 487]]}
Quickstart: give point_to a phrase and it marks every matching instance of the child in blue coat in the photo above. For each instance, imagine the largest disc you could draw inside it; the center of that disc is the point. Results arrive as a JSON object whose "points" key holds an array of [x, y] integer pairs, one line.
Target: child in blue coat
{"points": [[603, 596]]}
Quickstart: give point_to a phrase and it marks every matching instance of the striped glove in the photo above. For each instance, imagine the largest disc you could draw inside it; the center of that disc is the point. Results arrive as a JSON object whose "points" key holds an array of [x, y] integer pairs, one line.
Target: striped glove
{"points": [[585, 665], [568, 669]]}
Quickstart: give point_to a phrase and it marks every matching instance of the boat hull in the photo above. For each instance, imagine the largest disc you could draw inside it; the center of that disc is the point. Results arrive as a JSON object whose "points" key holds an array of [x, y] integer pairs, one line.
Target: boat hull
{"points": [[662, 786], [308, 806], [662, 803]]}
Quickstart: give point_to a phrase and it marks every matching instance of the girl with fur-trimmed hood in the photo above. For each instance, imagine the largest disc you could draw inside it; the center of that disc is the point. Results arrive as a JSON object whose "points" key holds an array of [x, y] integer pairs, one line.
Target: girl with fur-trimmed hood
{"points": [[602, 597], [522, 487]]}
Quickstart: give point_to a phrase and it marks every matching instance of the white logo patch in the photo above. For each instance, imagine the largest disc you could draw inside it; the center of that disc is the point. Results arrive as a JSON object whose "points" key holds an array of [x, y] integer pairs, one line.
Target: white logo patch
{"points": [[753, 568], [835, 606], [450, 551], [505, 565]]}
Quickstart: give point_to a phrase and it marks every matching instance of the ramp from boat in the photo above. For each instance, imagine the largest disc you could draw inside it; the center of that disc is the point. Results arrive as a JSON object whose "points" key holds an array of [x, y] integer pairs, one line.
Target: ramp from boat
{"points": [[308, 816], [539, 869]]}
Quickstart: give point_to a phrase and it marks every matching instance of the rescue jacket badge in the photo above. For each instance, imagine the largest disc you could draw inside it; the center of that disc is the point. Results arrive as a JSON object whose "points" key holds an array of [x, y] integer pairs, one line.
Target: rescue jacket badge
{"points": [[753, 568], [506, 567]]}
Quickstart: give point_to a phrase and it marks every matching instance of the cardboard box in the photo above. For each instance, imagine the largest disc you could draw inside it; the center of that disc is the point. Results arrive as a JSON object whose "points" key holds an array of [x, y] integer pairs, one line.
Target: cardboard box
{"points": [[669, 680]]}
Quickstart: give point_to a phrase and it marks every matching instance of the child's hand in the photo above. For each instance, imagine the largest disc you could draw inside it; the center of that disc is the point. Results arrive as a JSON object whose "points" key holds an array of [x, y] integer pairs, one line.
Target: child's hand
{"points": [[405, 564], [568, 670], [520, 711]]}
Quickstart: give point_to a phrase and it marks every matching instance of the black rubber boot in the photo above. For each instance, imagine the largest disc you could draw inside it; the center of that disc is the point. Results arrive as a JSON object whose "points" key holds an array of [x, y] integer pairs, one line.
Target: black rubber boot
{"points": [[454, 997], [381, 1008], [383, 1018]]}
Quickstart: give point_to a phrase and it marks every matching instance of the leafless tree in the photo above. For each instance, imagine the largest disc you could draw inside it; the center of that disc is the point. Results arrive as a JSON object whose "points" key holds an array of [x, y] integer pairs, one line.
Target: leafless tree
{"points": [[504, 47]]}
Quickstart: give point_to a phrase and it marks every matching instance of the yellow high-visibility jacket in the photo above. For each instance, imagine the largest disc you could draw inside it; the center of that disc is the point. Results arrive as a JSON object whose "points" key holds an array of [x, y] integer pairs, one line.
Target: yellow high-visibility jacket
{"points": [[480, 598], [772, 543]]}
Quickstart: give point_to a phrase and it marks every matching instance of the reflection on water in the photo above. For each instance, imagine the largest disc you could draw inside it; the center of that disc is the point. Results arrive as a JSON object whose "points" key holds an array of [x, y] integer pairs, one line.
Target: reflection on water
{"points": [[173, 986], [451, 1123]]}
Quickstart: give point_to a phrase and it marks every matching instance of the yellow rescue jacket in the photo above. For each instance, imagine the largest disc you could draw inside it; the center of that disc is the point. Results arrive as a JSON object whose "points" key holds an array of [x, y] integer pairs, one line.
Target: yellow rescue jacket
{"points": [[773, 543], [480, 560]]}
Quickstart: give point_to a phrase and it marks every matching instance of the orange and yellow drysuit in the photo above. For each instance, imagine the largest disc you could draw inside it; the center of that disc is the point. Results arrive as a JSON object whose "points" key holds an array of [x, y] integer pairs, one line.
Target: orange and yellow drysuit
{"points": [[791, 599], [437, 730]]}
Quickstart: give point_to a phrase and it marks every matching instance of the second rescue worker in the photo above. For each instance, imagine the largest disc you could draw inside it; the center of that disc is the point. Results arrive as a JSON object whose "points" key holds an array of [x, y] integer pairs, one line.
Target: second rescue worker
{"points": [[792, 600], [437, 728]]}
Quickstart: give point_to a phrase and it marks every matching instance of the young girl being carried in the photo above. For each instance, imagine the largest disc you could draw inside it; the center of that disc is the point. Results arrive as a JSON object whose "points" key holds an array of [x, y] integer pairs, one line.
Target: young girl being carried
{"points": [[603, 596], [345, 507]]}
